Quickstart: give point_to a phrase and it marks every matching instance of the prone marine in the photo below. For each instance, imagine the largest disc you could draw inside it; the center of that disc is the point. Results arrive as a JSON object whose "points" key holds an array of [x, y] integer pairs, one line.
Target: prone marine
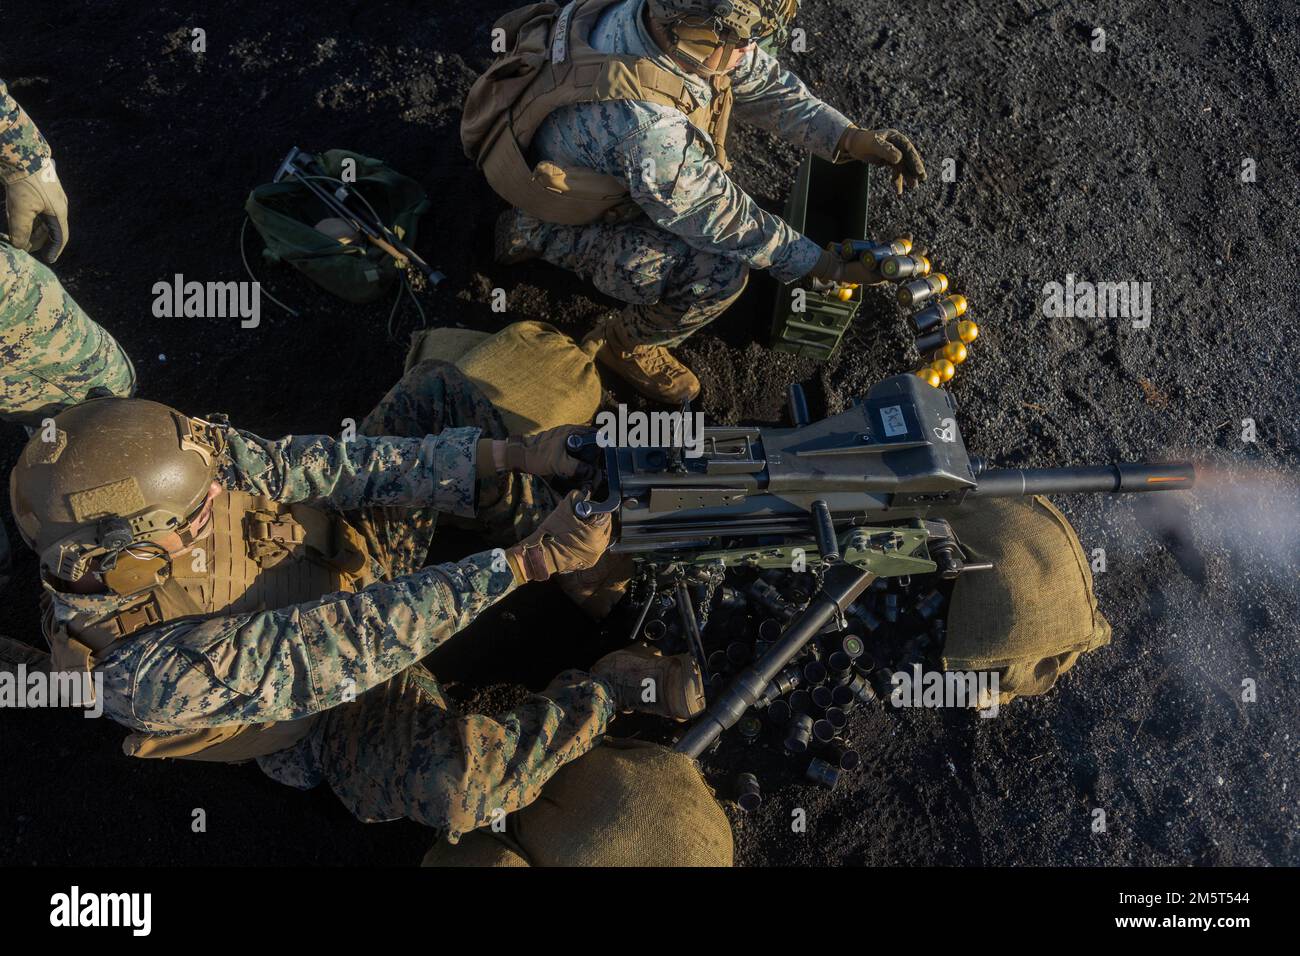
{"points": [[244, 598]]}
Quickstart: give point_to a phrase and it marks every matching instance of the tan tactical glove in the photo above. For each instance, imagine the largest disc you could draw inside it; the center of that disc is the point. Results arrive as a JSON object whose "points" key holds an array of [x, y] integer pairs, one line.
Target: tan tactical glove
{"points": [[831, 268], [885, 147], [562, 543], [543, 454], [37, 202]]}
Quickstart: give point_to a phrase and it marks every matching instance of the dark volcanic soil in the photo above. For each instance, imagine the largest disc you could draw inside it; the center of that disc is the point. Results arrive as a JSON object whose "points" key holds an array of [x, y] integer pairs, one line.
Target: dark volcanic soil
{"points": [[1115, 165]]}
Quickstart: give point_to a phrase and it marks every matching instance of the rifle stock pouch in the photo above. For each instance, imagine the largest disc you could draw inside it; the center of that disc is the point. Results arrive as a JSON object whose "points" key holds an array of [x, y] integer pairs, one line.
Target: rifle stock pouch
{"points": [[285, 215], [1031, 616], [625, 803]]}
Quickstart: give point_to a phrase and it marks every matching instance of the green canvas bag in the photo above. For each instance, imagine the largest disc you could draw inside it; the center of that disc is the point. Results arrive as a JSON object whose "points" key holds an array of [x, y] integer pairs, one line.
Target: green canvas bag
{"points": [[285, 216]]}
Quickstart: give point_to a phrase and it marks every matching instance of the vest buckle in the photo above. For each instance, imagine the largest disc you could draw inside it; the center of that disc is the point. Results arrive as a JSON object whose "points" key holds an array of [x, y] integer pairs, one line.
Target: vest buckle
{"points": [[271, 538]]}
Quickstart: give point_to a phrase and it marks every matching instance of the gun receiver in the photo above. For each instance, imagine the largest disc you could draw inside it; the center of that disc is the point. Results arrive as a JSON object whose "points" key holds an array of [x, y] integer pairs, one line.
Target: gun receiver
{"points": [[890, 463], [856, 496]]}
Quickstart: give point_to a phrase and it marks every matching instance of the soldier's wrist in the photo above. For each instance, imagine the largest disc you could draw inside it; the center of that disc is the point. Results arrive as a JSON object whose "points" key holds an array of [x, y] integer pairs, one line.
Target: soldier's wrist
{"points": [[516, 567], [13, 175], [489, 457], [842, 152]]}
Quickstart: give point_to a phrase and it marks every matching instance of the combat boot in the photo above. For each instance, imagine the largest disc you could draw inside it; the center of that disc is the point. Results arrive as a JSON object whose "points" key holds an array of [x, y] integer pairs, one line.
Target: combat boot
{"points": [[650, 369], [645, 681], [509, 244]]}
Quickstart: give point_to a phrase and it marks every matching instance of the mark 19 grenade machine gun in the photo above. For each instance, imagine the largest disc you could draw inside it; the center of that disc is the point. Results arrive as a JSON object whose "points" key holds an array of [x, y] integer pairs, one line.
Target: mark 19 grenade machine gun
{"points": [[853, 497]]}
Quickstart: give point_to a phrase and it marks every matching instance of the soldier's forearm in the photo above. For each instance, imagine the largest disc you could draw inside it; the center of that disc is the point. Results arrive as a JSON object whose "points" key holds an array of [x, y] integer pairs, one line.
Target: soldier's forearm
{"points": [[772, 98], [22, 147], [357, 472], [809, 125], [299, 660]]}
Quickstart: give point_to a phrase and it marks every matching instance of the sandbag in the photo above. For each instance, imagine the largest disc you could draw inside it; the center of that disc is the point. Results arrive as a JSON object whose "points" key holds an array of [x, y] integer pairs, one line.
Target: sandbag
{"points": [[442, 344], [626, 803], [1031, 616], [534, 374]]}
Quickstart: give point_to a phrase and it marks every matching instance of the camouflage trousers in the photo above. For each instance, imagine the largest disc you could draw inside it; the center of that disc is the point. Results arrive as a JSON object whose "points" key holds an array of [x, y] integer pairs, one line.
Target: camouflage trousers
{"points": [[51, 352], [401, 749], [672, 289]]}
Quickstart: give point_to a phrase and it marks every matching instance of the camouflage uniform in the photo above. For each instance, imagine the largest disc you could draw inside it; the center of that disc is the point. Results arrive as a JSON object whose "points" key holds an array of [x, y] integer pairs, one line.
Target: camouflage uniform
{"points": [[397, 749], [689, 259], [23, 149], [51, 353]]}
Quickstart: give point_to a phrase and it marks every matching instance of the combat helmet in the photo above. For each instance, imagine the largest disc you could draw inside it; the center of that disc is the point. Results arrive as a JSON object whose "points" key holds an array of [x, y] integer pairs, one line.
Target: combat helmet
{"points": [[697, 27], [109, 475]]}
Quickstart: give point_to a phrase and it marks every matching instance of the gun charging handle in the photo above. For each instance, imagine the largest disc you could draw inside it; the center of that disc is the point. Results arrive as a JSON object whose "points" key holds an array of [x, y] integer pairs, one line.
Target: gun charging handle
{"points": [[583, 445]]}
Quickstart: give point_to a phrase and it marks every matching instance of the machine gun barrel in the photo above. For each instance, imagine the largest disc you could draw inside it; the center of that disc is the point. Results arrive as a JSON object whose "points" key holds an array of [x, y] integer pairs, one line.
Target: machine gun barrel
{"points": [[1117, 478]]}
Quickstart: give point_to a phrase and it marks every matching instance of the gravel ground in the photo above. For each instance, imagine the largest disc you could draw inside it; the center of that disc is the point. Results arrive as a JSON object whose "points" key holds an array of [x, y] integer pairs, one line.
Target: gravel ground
{"points": [[1116, 165]]}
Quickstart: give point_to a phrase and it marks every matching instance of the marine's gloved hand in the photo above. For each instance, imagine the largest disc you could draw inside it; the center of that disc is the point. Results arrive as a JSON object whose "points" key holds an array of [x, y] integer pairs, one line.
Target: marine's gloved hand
{"points": [[544, 454], [563, 542], [37, 205], [832, 268], [885, 147]]}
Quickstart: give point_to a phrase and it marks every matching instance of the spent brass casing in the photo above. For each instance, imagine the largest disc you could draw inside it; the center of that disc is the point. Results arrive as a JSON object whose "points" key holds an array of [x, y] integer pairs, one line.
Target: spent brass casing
{"points": [[748, 793], [904, 267], [934, 315], [750, 727], [842, 696], [918, 290], [798, 733], [845, 756], [822, 773], [839, 665]]}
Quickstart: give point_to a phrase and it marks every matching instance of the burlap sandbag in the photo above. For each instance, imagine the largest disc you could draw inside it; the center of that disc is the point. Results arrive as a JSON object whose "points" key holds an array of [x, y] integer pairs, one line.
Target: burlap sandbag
{"points": [[626, 803], [1031, 616], [536, 375]]}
